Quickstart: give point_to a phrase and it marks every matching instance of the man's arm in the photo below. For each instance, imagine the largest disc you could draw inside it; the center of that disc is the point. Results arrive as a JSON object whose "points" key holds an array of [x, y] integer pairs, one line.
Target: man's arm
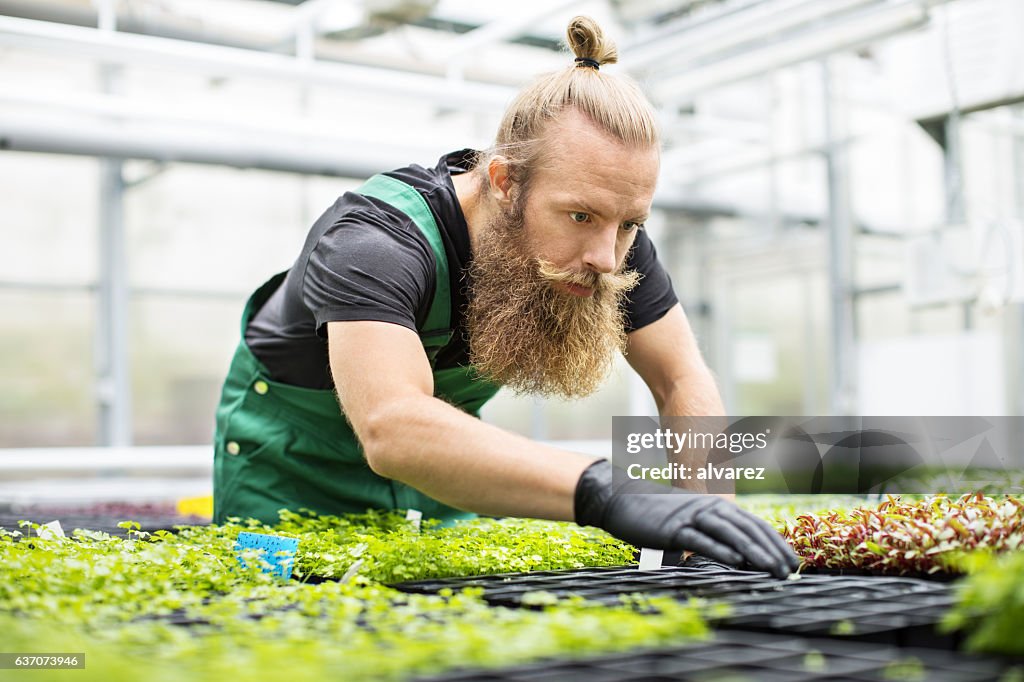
{"points": [[385, 386], [666, 356]]}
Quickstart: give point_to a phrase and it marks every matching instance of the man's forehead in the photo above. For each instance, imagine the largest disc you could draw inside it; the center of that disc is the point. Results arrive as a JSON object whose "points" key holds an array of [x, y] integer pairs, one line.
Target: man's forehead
{"points": [[575, 148], [573, 125]]}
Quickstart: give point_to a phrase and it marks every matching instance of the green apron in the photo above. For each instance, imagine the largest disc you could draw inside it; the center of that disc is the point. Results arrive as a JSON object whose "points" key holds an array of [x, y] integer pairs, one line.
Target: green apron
{"points": [[279, 446]]}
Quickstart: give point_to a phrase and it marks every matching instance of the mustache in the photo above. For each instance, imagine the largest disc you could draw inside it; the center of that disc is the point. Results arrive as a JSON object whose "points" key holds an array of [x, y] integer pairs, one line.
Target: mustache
{"points": [[601, 282]]}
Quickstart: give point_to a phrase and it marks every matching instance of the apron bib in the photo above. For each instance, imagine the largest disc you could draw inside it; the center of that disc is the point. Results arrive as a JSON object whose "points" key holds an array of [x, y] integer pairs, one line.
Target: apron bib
{"points": [[279, 446]]}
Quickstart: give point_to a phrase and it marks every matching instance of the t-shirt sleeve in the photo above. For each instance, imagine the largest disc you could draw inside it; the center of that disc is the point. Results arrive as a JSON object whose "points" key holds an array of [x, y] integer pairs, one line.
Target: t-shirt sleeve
{"points": [[368, 266], [653, 296]]}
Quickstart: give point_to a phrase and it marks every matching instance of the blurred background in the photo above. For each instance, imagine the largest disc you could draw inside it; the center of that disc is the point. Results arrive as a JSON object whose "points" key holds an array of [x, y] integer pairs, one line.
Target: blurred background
{"points": [[840, 205]]}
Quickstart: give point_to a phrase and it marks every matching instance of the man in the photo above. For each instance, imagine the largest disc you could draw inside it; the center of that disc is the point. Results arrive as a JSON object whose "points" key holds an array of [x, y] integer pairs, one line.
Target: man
{"points": [[420, 294]]}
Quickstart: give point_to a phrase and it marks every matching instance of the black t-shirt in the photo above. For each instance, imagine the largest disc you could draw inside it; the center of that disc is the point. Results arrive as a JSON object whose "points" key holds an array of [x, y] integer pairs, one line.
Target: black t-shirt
{"points": [[364, 260]]}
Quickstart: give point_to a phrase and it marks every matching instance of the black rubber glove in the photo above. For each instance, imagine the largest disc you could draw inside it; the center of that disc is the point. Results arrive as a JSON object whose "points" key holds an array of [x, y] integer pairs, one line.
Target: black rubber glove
{"points": [[650, 515]]}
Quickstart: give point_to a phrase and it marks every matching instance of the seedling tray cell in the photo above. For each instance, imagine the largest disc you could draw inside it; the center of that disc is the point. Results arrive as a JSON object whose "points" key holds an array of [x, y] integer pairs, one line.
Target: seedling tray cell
{"points": [[754, 656], [891, 610]]}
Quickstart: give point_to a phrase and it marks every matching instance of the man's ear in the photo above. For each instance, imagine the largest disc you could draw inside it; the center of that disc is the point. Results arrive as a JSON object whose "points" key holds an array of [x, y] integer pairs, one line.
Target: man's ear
{"points": [[499, 175]]}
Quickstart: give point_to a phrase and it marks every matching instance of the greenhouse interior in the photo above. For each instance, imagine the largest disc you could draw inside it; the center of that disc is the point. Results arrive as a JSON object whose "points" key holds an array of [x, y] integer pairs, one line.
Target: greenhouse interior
{"points": [[710, 365]]}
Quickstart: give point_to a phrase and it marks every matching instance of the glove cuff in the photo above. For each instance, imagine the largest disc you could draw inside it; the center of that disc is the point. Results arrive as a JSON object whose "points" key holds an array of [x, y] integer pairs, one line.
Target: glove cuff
{"points": [[593, 491]]}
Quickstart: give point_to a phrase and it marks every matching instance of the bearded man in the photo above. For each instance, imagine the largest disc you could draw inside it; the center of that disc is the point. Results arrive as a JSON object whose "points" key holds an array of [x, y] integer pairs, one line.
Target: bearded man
{"points": [[361, 370]]}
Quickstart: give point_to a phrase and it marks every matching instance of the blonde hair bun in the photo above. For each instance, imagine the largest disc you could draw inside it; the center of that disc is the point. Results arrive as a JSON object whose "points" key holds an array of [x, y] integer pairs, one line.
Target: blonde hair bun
{"points": [[587, 41]]}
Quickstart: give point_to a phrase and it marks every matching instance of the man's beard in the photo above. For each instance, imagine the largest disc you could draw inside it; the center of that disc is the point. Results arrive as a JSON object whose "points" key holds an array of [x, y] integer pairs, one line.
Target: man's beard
{"points": [[531, 337]]}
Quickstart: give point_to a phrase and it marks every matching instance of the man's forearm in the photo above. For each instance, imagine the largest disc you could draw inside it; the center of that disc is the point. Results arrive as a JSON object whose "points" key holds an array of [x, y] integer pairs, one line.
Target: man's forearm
{"points": [[468, 464], [698, 399], [695, 396]]}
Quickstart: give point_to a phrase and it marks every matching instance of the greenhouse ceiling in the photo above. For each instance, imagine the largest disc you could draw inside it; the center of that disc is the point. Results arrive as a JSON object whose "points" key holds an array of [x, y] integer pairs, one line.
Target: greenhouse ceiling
{"points": [[459, 62]]}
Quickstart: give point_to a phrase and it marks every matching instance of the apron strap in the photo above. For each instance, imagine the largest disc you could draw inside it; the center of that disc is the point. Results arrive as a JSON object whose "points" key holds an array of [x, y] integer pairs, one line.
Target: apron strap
{"points": [[437, 330]]}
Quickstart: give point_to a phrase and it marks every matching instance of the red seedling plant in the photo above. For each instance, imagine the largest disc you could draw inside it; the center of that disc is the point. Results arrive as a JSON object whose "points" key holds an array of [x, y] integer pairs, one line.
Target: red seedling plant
{"points": [[906, 537]]}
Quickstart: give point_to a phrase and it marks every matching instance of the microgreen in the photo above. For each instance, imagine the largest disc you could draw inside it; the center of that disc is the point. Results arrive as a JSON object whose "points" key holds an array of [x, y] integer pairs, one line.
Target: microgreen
{"points": [[897, 536], [990, 603], [392, 550], [117, 599]]}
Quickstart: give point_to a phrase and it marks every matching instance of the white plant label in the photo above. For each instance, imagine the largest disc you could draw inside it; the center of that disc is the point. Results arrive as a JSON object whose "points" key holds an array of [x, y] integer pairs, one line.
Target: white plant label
{"points": [[414, 516], [650, 559], [352, 570], [50, 531]]}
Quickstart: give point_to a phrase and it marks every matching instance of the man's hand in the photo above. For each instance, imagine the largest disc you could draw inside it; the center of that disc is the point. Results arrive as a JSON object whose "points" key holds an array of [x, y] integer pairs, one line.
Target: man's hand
{"points": [[650, 515]]}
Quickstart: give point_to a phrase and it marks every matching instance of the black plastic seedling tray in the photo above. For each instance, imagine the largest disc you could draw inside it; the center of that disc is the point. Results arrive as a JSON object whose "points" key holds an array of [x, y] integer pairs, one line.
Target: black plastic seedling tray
{"points": [[735, 656], [889, 610], [938, 576]]}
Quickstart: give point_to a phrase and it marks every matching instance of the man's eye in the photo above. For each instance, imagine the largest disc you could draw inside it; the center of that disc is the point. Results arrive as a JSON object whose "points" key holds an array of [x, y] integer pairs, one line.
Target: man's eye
{"points": [[630, 226], [579, 216]]}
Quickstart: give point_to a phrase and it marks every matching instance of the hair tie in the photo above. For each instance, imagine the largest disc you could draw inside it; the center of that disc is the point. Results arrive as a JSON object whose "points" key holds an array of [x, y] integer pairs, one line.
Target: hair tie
{"points": [[587, 61]]}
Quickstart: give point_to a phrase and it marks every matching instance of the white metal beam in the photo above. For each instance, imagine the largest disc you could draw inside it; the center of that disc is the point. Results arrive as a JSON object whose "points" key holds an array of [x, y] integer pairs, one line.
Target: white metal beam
{"points": [[215, 60], [841, 277], [852, 32], [347, 157], [113, 363], [459, 49], [504, 29], [22, 462], [762, 21], [202, 113]]}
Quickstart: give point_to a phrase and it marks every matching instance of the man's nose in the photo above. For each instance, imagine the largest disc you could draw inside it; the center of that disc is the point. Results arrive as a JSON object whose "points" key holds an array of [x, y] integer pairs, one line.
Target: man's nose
{"points": [[599, 254]]}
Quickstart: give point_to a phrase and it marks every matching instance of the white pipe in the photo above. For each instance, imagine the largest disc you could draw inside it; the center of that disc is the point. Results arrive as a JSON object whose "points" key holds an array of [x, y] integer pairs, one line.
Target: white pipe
{"points": [[692, 22], [347, 157], [503, 29], [60, 492], [202, 113], [134, 50], [459, 49], [851, 33], [96, 459], [106, 14], [757, 23]]}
